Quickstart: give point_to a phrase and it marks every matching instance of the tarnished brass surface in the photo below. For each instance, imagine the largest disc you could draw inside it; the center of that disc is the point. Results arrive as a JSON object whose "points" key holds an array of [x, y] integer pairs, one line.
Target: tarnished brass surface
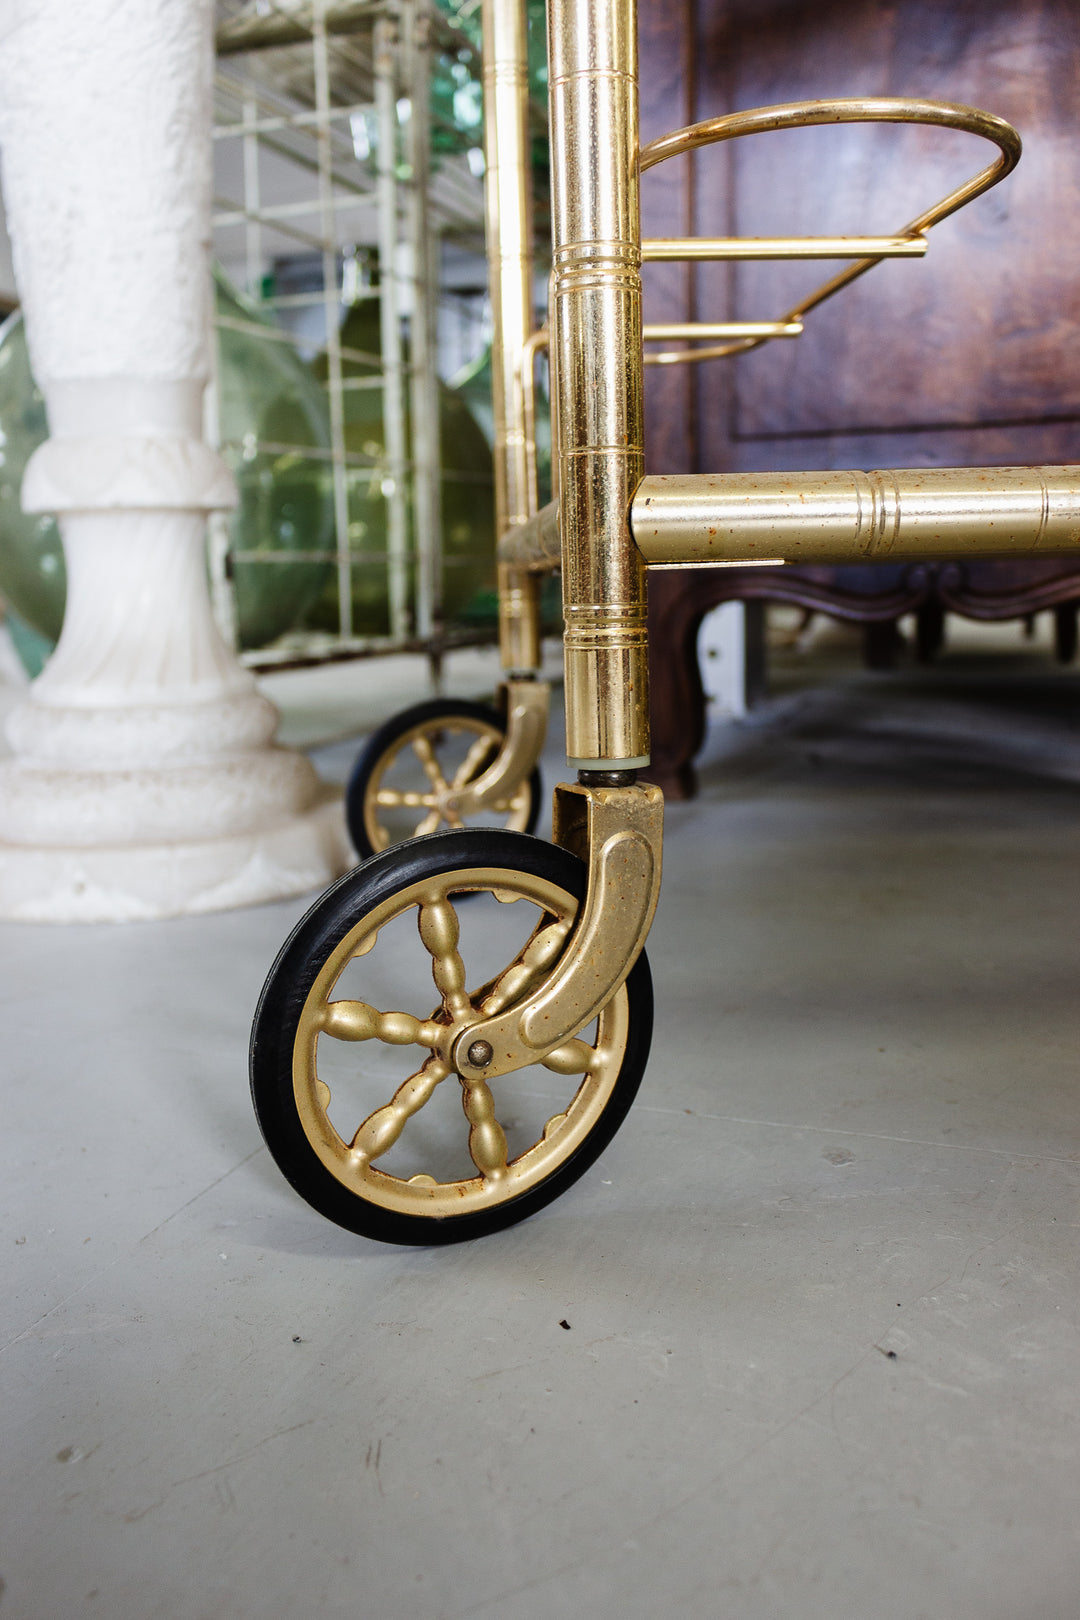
{"points": [[619, 831], [358, 1148], [527, 705], [838, 517], [597, 362], [536, 544], [663, 249], [800, 114], [519, 617], [508, 212]]}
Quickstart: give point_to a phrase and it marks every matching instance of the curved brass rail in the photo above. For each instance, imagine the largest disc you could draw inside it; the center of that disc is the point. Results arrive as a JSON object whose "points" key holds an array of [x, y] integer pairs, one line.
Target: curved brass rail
{"points": [[804, 114]]}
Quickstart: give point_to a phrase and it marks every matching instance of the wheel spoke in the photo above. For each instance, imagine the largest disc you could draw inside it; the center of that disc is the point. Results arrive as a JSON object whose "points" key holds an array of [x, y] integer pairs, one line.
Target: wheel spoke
{"points": [[470, 765], [573, 1057], [381, 1129], [487, 1139], [356, 1021], [527, 969], [432, 769], [439, 932], [393, 799]]}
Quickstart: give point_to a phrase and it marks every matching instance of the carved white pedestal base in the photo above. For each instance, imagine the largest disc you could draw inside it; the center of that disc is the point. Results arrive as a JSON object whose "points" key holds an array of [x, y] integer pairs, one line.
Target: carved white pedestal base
{"points": [[140, 882], [144, 782]]}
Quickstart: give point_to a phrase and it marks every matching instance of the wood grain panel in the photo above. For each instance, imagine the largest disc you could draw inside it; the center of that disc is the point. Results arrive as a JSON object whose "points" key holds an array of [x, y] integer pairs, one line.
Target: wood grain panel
{"points": [[987, 327], [969, 357]]}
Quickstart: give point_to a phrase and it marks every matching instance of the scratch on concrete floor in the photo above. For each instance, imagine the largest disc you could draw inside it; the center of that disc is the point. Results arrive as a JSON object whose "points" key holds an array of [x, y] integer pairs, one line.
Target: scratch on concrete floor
{"points": [[498, 1599], [372, 1461], [866, 1136], [136, 1514], [24, 1333], [231, 1462], [194, 1199]]}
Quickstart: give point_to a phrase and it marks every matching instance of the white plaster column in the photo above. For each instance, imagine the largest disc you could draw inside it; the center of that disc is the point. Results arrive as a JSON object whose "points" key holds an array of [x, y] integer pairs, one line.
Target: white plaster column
{"points": [[144, 782]]}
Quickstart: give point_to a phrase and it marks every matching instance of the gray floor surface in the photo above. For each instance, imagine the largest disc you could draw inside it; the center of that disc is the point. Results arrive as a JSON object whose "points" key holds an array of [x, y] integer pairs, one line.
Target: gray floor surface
{"points": [[802, 1345]]}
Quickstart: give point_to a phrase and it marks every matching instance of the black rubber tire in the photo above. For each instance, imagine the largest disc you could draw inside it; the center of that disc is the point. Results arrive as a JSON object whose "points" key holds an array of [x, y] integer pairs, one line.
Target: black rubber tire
{"points": [[293, 974], [381, 742]]}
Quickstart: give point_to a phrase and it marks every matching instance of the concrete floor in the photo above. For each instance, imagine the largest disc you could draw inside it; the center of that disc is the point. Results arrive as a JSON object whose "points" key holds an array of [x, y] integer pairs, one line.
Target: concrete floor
{"points": [[822, 1292]]}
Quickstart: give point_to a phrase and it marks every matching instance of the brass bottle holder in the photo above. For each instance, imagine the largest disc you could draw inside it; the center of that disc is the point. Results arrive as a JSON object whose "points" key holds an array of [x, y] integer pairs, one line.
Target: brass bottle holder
{"points": [[909, 242]]}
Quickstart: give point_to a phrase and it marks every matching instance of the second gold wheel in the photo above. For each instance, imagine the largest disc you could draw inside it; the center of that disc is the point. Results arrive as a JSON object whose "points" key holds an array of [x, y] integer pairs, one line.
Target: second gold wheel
{"points": [[402, 784]]}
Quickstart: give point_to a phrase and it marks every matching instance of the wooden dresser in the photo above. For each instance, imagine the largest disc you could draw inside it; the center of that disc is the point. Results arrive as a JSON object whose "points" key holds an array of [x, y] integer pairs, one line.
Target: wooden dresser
{"points": [[971, 356]]}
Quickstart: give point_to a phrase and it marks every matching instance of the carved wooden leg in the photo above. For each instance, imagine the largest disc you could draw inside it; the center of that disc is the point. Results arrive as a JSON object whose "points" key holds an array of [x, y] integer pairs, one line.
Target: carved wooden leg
{"points": [[929, 631], [882, 642], [677, 606], [1065, 632]]}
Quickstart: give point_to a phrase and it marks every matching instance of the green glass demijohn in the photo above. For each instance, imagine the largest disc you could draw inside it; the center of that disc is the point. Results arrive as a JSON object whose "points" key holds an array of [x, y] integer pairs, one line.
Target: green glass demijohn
{"points": [[267, 397], [467, 497]]}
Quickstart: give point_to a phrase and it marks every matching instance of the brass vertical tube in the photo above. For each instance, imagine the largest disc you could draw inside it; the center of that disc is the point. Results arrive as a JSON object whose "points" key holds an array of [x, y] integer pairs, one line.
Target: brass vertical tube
{"points": [[597, 359], [423, 380], [395, 483], [508, 210]]}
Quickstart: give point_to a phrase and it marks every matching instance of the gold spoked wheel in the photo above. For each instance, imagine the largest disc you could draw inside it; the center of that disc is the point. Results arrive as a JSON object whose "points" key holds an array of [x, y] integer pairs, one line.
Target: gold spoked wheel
{"points": [[410, 767], [359, 1102]]}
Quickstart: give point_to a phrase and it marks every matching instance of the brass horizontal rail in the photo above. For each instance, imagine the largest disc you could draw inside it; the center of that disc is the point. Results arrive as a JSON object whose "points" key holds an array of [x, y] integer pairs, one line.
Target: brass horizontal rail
{"points": [[664, 249], [732, 336], [848, 517], [668, 331], [729, 520], [534, 545], [736, 336]]}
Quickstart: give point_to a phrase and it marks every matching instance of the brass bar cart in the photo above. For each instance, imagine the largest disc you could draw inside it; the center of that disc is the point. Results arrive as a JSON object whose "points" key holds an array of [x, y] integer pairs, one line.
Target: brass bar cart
{"points": [[461, 1117]]}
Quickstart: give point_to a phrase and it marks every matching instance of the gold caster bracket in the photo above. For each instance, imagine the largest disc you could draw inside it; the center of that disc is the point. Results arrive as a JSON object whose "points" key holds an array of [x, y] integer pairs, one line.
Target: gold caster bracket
{"points": [[527, 704], [619, 832]]}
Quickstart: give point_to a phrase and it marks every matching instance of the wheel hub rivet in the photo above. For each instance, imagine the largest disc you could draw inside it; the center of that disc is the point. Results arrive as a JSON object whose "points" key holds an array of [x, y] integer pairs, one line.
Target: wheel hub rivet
{"points": [[480, 1054]]}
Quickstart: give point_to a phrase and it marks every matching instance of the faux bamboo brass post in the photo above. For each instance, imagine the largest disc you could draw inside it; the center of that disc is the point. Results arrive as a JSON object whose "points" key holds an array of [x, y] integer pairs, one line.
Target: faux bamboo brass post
{"points": [[598, 375], [508, 207], [507, 203], [615, 825]]}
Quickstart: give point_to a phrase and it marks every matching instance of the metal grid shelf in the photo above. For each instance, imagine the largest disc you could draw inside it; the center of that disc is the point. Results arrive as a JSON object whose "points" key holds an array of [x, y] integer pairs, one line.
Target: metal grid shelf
{"points": [[324, 132]]}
